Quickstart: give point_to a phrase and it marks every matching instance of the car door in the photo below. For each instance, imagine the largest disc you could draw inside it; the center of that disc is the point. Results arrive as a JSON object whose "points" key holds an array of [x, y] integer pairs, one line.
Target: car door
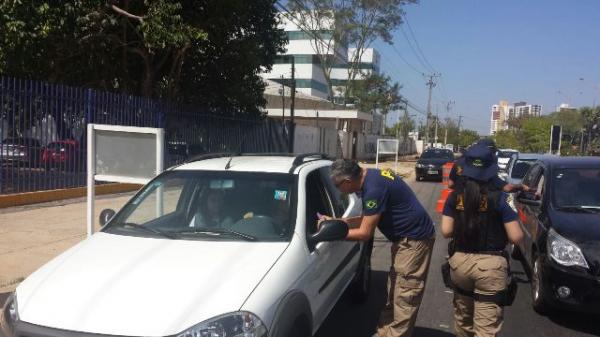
{"points": [[330, 263], [528, 214]]}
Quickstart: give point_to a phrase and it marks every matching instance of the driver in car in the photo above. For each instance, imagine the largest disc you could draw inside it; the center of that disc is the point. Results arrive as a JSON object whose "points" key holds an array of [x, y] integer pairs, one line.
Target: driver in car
{"points": [[210, 211]]}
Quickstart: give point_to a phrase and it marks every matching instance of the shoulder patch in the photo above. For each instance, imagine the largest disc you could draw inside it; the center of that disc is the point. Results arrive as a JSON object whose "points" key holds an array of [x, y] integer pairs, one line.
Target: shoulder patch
{"points": [[388, 174], [459, 170], [370, 204]]}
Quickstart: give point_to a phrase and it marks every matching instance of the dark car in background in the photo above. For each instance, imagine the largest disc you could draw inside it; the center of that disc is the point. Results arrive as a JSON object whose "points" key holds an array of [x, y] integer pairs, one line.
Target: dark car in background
{"points": [[518, 165], [21, 151], [561, 221], [431, 162]]}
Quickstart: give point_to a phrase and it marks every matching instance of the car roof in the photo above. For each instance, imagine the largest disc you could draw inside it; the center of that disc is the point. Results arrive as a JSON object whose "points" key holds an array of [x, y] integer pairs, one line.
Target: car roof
{"points": [[282, 163], [571, 162], [533, 156]]}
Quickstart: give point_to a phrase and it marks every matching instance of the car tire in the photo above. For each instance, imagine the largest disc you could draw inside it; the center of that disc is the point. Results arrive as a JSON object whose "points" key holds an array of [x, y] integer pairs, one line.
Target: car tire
{"points": [[538, 293], [299, 329], [361, 285], [419, 178]]}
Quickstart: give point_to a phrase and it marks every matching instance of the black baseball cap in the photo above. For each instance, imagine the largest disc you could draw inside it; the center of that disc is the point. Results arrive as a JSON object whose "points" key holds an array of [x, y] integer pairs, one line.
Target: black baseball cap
{"points": [[479, 162]]}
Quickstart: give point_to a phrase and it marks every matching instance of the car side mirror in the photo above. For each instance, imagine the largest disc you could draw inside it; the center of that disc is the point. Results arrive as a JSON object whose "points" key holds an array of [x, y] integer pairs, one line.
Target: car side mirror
{"points": [[528, 198], [106, 215], [331, 230]]}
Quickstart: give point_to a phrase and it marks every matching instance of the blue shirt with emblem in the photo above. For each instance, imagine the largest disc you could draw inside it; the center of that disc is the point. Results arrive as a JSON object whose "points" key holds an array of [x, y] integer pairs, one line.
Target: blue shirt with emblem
{"points": [[402, 215]]}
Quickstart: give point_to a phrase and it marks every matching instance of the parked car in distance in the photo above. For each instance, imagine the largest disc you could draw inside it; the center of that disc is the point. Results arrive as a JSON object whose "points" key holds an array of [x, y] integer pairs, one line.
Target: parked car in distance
{"points": [[218, 246], [21, 151], [561, 246], [430, 163], [64, 155], [504, 156]]}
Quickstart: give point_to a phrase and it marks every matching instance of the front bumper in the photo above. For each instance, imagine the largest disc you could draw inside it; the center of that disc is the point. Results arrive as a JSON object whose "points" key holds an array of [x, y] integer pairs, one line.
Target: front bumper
{"points": [[429, 172], [585, 288]]}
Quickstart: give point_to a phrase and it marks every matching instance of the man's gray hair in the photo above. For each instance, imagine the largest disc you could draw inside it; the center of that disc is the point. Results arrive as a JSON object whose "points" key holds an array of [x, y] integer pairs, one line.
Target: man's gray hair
{"points": [[345, 168]]}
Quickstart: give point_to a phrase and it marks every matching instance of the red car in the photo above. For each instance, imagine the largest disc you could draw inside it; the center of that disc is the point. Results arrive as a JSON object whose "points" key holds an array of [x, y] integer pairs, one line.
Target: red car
{"points": [[62, 154]]}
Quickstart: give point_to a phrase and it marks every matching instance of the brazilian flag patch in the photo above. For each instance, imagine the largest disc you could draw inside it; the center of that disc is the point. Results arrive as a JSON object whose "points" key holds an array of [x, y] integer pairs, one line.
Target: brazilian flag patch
{"points": [[370, 204]]}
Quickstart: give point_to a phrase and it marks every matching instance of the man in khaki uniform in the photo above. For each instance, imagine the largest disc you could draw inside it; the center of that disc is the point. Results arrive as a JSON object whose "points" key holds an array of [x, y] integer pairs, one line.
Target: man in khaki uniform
{"points": [[390, 205], [480, 221]]}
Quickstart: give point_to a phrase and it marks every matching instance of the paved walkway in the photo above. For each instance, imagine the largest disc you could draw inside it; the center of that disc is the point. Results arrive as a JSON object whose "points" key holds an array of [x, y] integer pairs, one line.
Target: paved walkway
{"points": [[32, 235]]}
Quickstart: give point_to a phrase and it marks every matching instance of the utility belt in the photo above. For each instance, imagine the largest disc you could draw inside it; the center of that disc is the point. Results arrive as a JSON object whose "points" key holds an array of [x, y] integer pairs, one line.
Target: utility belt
{"points": [[505, 297]]}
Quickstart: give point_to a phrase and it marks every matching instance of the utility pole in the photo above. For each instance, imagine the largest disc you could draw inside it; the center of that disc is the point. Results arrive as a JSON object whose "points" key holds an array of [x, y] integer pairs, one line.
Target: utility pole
{"points": [[431, 84], [293, 96], [436, 128], [282, 100], [448, 108]]}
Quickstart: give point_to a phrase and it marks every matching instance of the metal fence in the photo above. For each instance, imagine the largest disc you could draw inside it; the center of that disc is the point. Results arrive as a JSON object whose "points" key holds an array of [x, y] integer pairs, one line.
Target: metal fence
{"points": [[43, 131]]}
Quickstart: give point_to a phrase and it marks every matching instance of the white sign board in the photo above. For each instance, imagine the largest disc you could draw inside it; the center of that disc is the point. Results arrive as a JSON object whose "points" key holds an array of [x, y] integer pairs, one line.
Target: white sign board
{"points": [[387, 146], [123, 154]]}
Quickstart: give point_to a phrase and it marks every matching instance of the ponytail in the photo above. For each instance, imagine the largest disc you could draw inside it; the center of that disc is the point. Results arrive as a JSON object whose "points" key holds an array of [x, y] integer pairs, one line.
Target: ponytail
{"points": [[468, 227]]}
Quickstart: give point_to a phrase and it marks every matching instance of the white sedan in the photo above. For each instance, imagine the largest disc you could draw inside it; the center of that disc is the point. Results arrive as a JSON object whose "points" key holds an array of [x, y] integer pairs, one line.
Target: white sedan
{"points": [[208, 248]]}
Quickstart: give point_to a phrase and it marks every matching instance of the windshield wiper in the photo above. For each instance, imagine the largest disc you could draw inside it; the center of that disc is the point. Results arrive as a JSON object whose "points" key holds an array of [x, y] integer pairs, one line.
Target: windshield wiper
{"points": [[148, 229], [219, 231]]}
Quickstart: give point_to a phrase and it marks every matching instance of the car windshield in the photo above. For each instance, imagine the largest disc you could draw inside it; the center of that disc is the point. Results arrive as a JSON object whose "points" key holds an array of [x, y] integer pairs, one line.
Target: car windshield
{"points": [[210, 205], [579, 188], [520, 168], [437, 154]]}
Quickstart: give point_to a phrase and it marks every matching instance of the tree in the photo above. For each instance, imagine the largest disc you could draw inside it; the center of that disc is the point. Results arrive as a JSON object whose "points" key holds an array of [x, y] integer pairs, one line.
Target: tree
{"points": [[146, 48], [507, 139], [468, 137], [377, 93], [536, 134], [340, 23]]}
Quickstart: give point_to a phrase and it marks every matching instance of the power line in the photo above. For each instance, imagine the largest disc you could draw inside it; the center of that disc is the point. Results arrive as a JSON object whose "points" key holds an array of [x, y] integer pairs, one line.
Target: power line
{"points": [[413, 49], [417, 44], [405, 61]]}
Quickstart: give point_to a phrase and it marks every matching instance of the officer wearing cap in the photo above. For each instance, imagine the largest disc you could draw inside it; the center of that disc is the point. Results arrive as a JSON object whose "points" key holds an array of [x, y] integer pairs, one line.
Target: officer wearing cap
{"points": [[480, 222], [390, 205], [497, 183]]}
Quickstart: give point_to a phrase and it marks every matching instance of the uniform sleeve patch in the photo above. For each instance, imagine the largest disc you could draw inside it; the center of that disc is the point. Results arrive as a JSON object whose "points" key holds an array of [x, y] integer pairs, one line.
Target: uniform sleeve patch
{"points": [[371, 204]]}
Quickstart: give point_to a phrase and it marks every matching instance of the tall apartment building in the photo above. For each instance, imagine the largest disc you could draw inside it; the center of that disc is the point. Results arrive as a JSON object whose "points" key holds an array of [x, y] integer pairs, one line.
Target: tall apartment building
{"points": [[501, 113], [305, 50]]}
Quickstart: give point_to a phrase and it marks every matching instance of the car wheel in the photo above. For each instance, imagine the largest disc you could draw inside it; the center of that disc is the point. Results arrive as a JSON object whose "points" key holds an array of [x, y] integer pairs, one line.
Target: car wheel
{"points": [[515, 252], [419, 178], [538, 294], [299, 329], [361, 284]]}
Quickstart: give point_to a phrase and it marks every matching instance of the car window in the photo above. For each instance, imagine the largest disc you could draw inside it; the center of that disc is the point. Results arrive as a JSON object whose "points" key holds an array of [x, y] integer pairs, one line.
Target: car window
{"points": [[436, 154], [188, 204], [317, 201], [340, 201], [576, 187], [530, 177], [520, 167]]}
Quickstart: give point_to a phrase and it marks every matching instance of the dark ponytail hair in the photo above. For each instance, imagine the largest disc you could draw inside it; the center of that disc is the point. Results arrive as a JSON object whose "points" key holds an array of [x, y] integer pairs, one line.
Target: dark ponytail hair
{"points": [[468, 227]]}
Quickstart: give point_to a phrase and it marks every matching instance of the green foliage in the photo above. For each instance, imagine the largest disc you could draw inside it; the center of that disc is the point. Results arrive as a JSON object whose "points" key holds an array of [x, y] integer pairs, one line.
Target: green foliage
{"points": [[148, 48], [468, 137], [507, 139], [377, 92]]}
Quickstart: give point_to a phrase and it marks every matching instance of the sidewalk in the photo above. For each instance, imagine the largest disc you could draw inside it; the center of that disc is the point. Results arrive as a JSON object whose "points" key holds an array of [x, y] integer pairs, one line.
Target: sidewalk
{"points": [[32, 235]]}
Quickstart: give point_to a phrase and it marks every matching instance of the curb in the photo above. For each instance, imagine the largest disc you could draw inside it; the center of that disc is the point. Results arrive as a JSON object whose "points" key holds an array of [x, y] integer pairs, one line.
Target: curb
{"points": [[20, 199]]}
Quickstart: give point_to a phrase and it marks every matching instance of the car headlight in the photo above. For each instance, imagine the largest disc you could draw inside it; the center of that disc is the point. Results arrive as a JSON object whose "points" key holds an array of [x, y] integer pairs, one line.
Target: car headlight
{"points": [[420, 165], [10, 316], [564, 252], [236, 324]]}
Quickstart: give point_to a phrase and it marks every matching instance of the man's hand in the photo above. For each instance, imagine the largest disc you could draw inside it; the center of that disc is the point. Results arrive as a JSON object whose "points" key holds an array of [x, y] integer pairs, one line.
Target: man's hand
{"points": [[321, 219]]}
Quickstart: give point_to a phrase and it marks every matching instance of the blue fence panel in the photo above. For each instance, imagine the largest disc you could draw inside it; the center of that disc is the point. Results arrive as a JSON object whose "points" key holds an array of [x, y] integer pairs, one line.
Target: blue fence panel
{"points": [[43, 129]]}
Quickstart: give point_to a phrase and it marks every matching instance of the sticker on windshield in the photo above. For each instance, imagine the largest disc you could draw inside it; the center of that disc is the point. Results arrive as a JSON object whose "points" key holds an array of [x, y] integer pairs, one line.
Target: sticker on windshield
{"points": [[280, 195]]}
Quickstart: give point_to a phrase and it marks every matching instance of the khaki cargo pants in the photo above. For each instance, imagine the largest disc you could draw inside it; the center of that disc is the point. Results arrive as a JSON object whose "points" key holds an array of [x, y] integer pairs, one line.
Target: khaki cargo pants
{"points": [[406, 284], [483, 274]]}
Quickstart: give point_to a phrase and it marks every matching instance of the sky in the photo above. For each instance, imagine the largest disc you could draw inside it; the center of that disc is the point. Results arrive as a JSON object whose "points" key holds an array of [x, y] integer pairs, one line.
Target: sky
{"points": [[543, 52]]}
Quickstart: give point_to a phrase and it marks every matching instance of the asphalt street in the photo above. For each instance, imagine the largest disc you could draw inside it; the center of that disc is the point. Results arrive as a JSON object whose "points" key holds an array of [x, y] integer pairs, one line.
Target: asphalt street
{"points": [[435, 317]]}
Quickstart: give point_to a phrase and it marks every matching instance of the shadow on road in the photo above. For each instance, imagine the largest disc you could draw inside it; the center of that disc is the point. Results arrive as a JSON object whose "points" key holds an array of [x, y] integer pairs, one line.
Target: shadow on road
{"points": [[428, 332], [586, 323]]}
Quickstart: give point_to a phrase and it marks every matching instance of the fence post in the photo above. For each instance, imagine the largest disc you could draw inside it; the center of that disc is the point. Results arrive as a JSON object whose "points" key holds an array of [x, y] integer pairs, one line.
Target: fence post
{"points": [[89, 114]]}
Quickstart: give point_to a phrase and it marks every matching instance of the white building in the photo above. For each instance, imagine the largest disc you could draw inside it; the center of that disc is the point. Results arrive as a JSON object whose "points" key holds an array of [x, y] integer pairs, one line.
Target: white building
{"points": [[501, 113], [305, 50]]}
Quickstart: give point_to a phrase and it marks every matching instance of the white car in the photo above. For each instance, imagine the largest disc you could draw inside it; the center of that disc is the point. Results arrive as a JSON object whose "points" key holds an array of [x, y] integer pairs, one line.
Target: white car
{"points": [[504, 156], [169, 264]]}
